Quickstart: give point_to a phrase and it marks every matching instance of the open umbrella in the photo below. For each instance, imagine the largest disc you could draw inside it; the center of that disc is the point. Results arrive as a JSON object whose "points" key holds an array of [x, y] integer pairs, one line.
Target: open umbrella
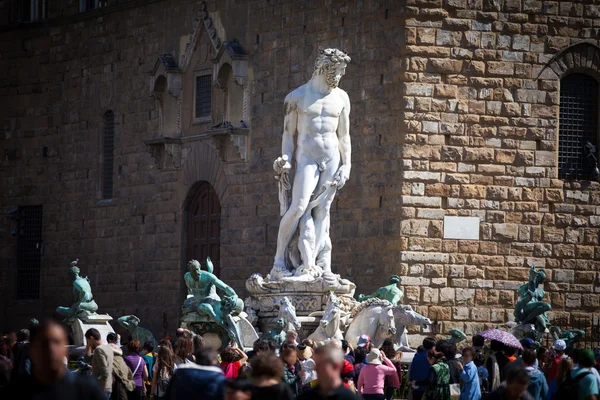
{"points": [[503, 337]]}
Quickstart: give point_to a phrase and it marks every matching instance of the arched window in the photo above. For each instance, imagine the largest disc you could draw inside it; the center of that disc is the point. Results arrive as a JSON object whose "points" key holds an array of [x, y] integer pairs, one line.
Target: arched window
{"points": [[578, 129], [108, 157]]}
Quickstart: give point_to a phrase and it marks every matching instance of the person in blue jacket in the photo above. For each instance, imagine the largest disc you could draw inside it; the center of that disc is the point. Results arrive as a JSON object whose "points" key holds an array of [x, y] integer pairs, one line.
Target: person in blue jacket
{"points": [[469, 378], [419, 369], [538, 388]]}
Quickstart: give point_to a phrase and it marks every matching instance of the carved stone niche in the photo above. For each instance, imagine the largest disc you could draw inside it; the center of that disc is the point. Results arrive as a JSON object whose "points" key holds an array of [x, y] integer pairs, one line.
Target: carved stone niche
{"points": [[231, 93], [166, 89]]}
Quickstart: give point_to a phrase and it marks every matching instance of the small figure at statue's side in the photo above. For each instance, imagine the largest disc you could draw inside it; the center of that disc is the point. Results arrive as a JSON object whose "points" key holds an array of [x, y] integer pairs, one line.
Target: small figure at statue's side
{"points": [[530, 309], [391, 292], [570, 336], [131, 323], [316, 138], [456, 336], [84, 304], [204, 304], [277, 334]]}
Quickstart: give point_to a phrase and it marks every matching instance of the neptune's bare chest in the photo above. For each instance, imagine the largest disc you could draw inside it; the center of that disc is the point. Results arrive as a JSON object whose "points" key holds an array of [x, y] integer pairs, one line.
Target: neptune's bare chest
{"points": [[317, 106]]}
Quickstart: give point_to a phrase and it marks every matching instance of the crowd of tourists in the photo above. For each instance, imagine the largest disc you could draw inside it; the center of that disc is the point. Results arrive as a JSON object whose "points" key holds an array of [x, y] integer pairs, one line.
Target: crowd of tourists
{"points": [[500, 372], [36, 365]]}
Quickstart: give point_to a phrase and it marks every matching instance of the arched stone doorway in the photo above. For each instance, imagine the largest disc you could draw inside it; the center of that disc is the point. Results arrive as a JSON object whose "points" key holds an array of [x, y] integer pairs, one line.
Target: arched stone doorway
{"points": [[204, 225]]}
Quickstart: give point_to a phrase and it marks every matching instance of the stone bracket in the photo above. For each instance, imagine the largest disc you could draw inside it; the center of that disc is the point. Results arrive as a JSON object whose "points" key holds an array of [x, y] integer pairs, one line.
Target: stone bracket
{"points": [[164, 148], [238, 138]]}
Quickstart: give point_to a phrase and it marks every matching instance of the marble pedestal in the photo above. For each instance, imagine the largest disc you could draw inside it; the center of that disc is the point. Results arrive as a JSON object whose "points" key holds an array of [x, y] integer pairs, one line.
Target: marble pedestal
{"points": [[308, 295], [80, 325]]}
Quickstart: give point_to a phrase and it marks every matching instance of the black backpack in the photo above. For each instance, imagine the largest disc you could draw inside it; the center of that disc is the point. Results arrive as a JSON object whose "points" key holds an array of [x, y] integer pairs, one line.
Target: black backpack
{"points": [[569, 387]]}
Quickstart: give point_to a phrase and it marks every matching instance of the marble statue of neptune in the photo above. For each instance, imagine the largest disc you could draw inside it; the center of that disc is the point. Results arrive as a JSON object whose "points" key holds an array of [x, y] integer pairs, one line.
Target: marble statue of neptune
{"points": [[316, 150]]}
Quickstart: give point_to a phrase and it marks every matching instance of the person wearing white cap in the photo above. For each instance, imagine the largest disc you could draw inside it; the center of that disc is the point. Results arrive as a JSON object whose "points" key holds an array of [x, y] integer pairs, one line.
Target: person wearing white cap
{"points": [[372, 376], [559, 346], [364, 341]]}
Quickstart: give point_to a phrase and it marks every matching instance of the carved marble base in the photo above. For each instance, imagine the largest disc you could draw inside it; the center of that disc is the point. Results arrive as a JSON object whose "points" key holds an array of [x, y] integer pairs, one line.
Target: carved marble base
{"points": [[309, 324], [522, 331], [215, 336], [79, 326], [308, 294]]}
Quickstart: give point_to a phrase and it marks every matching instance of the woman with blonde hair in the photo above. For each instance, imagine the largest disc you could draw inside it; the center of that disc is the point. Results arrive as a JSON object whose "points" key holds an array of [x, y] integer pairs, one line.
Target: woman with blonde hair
{"points": [[565, 366]]}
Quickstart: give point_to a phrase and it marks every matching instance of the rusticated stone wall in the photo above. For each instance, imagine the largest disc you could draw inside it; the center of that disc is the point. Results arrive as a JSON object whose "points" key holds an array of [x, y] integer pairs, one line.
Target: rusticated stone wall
{"points": [[481, 110]]}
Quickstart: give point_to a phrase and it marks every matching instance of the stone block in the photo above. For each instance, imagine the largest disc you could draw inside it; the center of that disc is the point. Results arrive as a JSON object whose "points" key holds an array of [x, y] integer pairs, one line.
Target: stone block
{"points": [[412, 293], [577, 195], [415, 281], [481, 26], [520, 43], [500, 68], [456, 271], [437, 313], [418, 89], [545, 158], [464, 295], [505, 231], [479, 154], [460, 313], [480, 314], [426, 35], [447, 295], [424, 257], [473, 192], [430, 295], [421, 201], [530, 96], [422, 176], [573, 300], [449, 91], [430, 126], [413, 227], [448, 38], [445, 66]]}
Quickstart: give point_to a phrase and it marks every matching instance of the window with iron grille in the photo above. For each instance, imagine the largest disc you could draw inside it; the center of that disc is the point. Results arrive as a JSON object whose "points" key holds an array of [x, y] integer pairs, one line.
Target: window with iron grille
{"points": [[87, 5], [203, 96], [578, 126], [32, 10], [29, 252], [108, 155]]}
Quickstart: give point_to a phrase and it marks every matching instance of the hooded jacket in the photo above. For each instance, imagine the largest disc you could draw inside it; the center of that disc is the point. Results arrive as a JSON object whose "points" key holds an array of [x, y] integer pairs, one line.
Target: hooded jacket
{"points": [[538, 388]]}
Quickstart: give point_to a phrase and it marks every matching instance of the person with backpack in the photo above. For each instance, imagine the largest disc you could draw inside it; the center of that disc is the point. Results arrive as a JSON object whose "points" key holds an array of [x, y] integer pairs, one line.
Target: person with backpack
{"points": [[580, 383], [565, 366], [123, 383], [148, 356], [162, 372], [482, 373]]}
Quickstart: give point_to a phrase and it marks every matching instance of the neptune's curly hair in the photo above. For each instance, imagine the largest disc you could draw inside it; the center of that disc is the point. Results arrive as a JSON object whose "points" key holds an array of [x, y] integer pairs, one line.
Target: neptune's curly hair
{"points": [[329, 58]]}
